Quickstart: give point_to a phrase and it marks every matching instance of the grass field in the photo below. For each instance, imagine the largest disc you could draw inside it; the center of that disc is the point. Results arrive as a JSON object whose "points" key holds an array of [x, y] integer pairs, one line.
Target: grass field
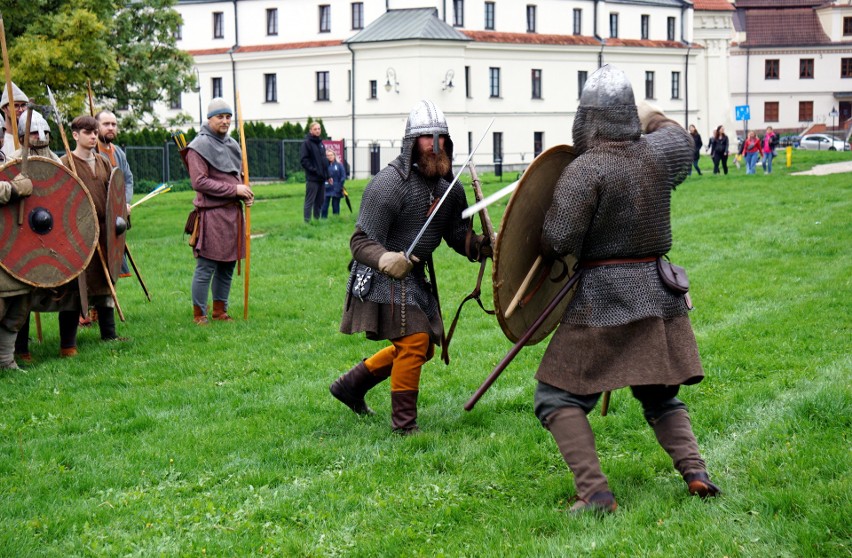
{"points": [[224, 441]]}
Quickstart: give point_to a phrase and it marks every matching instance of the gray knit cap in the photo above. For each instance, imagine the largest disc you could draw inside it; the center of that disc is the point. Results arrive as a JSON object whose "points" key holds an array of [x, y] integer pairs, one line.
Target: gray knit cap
{"points": [[218, 106], [17, 95]]}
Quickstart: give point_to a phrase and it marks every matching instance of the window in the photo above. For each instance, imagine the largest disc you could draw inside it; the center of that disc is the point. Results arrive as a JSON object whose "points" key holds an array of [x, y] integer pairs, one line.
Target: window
{"points": [[322, 86], [675, 85], [174, 102], [458, 13], [489, 16], [846, 67], [498, 147], [218, 25], [646, 21], [771, 69], [530, 18], [325, 19], [270, 82], [806, 68], [536, 84], [179, 32], [467, 82], [538, 143], [216, 86], [494, 81], [469, 142], [613, 25], [649, 85], [582, 76], [806, 111], [357, 15], [374, 89], [670, 28], [272, 21], [770, 111], [847, 26], [578, 21]]}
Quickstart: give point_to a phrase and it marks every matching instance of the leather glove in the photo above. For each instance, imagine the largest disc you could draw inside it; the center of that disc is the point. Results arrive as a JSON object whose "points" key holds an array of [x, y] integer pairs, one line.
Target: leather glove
{"points": [[395, 264], [646, 111], [21, 187]]}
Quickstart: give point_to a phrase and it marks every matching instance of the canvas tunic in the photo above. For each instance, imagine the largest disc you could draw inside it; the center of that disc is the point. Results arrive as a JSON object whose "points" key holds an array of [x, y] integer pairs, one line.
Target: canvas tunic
{"points": [[221, 222]]}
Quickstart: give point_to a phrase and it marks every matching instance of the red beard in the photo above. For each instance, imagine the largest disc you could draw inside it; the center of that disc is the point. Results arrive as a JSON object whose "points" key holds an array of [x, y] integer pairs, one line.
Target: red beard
{"points": [[433, 165]]}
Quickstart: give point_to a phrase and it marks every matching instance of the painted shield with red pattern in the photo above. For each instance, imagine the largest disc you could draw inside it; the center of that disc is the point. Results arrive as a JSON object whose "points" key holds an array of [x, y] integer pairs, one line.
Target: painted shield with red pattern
{"points": [[53, 239], [518, 246], [115, 223]]}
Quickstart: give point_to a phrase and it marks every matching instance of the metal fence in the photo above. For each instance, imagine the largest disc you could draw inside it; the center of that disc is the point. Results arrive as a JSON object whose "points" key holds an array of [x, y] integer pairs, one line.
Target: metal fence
{"points": [[272, 159]]}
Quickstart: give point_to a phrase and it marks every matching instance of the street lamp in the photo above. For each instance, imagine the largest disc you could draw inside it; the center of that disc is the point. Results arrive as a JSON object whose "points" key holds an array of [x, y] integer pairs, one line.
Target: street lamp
{"points": [[448, 80], [197, 89], [391, 83]]}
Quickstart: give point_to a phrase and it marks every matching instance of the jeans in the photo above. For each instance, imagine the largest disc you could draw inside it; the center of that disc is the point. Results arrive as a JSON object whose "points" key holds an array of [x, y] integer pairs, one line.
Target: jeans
{"points": [[335, 206], [767, 162], [751, 162]]}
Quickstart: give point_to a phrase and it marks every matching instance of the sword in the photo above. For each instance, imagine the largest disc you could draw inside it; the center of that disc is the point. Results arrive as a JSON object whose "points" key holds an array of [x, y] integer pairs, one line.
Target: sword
{"points": [[482, 204], [447, 193]]}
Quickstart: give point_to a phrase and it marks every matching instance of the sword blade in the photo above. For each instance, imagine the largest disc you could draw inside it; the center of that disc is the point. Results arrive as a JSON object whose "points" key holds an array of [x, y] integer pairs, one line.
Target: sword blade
{"points": [[499, 194], [447, 193]]}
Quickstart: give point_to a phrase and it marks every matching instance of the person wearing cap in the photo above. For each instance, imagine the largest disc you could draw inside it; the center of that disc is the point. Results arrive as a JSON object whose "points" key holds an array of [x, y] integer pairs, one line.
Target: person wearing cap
{"points": [[388, 294], [20, 100], [214, 161]]}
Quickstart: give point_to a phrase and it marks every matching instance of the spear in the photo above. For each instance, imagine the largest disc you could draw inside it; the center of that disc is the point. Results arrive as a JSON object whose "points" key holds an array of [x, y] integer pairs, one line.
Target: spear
{"points": [[248, 208], [8, 71], [91, 98]]}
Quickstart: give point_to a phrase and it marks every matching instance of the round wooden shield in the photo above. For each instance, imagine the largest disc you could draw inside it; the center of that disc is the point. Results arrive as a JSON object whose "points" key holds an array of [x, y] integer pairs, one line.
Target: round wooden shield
{"points": [[57, 235], [115, 223], [521, 290]]}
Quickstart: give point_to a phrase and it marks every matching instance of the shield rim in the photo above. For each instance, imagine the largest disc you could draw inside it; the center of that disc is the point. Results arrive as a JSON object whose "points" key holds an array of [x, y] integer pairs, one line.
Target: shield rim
{"points": [[93, 247], [113, 201], [501, 302]]}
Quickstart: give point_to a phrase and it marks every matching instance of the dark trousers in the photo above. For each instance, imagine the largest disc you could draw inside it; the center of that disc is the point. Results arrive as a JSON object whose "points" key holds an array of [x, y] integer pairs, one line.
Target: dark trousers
{"points": [[656, 400], [314, 196], [335, 206], [720, 159]]}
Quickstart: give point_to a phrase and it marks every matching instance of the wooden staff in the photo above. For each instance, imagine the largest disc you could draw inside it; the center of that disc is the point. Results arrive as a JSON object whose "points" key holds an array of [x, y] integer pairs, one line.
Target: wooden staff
{"points": [[91, 98], [248, 207], [13, 118]]}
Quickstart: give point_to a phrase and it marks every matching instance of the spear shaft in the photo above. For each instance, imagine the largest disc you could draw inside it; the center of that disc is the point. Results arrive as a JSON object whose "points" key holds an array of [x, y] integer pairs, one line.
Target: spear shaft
{"points": [[248, 207]]}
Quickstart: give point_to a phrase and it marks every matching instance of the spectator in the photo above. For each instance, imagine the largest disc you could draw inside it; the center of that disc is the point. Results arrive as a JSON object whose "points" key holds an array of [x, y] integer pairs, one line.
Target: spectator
{"points": [[334, 186], [768, 146], [696, 140], [751, 152], [718, 149], [312, 154]]}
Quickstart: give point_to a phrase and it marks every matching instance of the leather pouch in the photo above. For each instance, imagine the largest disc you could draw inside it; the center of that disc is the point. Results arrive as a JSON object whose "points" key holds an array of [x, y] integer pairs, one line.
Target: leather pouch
{"points": [[362, 280], [673, 276]]}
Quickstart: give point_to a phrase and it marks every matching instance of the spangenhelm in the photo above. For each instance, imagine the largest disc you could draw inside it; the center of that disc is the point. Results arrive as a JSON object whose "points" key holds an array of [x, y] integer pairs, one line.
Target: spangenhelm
{"points": [[17, 95], [607, 87], [37, 124], [425, 119]]}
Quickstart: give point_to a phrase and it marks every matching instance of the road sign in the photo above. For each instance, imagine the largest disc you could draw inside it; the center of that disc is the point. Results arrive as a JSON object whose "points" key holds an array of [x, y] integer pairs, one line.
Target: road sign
{"points": [[743, 112]]}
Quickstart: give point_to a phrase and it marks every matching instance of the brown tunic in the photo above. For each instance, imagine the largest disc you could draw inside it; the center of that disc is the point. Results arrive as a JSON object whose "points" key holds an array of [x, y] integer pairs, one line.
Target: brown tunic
{"points": [[97, 182], [221, 225]]}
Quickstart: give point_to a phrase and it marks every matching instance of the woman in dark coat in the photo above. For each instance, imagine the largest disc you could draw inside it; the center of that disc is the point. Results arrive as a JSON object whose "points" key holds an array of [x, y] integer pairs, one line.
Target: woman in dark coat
{"points": [[696, 140], [719, 150]]}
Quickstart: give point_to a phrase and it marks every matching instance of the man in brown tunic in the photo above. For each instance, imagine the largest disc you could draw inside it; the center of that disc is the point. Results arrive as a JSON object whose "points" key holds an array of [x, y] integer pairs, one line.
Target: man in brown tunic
{"points": [[214, 161], [623, 327]]}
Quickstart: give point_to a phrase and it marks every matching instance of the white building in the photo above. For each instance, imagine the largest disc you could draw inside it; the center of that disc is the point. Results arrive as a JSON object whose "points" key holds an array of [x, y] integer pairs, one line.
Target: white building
{"points": [[361, 66]]}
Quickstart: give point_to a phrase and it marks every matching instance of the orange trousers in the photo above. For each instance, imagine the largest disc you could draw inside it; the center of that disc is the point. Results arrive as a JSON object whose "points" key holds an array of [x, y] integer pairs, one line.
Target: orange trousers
{"points": [[405, 358]]}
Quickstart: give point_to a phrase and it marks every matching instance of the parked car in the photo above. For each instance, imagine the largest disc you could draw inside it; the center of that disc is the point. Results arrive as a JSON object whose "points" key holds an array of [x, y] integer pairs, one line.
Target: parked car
{"points": [[785, 141], [817, 142]]}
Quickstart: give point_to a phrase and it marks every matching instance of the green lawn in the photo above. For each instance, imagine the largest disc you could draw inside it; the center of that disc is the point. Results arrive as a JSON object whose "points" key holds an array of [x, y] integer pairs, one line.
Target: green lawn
{"points": [[224, 441]]}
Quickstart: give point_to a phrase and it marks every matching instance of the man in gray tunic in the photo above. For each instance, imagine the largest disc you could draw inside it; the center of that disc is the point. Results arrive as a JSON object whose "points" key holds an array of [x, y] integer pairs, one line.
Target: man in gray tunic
{"points": [[214, 161], [400, 304], [623, 327]]}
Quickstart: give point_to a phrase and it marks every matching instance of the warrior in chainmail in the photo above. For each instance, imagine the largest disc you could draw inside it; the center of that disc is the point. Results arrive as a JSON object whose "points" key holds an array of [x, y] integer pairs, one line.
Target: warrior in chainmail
{"points": [[39, 141], [623, 327], [388, 295]]}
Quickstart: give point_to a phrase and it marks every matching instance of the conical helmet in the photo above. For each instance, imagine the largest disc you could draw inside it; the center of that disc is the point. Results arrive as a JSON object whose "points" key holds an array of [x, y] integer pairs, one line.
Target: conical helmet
{"points": [[37, 124], [17, 95], [607, 87], [426, 119]]}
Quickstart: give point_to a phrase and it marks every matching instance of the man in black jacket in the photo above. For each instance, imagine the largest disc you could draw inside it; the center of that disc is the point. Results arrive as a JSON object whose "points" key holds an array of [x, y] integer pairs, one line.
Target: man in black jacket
{"points": [[314, 162]]}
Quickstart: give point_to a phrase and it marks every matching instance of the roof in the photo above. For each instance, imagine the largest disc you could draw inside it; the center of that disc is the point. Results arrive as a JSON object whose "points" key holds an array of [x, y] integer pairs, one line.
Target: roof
{"points": [[713, 6], [776, 4], [801, 27], [584, 40], [654, 3], [265, 48], [400, 25]]}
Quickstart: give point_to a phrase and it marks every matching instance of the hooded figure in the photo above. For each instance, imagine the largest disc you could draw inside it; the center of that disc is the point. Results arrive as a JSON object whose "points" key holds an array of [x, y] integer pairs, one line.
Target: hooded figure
{"points": [[611, 210], [18, 96], [388, 295]]}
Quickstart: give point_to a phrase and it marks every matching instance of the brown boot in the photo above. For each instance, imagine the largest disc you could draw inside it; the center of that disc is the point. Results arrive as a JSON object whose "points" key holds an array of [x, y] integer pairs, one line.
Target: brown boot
{"points": [[68, 353], [351, 387], [219, 312], [576, 441], [674, 432], [404, 412], [199, 316]]}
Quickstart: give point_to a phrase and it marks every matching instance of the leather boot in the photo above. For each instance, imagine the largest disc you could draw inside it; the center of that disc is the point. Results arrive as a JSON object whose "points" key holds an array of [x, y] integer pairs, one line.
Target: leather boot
{"points": [[404, 412], [68, 352], [576, 441], [7, 348], [199, 316], [106, 324], [674, 433], [351, 387], [219, 312]]}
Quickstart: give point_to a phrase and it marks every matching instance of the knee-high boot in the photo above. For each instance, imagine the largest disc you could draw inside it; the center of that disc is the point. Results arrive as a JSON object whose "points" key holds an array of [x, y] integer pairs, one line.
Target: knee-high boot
{"points": [[350, 388], [404, 412], [674, 433], [576, 441]]}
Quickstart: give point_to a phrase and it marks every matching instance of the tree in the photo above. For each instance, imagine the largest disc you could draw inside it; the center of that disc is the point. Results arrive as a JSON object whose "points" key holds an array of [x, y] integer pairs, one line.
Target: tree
{"points": [[126, 48]]}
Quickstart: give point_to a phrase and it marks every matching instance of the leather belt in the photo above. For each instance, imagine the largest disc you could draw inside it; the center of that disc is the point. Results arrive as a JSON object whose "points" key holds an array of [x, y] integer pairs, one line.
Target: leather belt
{"points": [[588, 264]]}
